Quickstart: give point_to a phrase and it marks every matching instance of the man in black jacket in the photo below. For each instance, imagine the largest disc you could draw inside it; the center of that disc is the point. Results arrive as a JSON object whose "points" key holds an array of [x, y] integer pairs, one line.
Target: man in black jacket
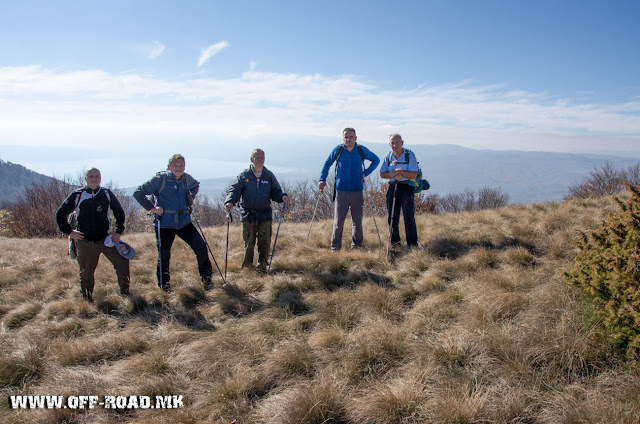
{"points": [[257, 187], [92, 205]]}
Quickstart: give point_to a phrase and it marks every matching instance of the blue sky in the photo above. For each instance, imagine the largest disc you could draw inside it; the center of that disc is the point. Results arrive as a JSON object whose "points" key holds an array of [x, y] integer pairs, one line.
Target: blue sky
{"points": [[131, 77]]}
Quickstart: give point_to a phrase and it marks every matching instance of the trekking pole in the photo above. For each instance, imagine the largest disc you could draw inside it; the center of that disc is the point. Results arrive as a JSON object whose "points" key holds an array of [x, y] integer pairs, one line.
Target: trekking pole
{"points": [[313, 216], [374, 209], [156, 220], [393, 208], [226, 251], [224, 281], [276, 239]]}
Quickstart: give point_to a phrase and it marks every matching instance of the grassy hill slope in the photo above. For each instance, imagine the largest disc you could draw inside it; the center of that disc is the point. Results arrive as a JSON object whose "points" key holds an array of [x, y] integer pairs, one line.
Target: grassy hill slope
{"points": [[477, 325]]}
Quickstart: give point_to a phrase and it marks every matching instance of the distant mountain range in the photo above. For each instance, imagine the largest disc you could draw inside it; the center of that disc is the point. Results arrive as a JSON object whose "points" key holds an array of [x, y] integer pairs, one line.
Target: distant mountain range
{"points": [[14, 178], [526, 176]]}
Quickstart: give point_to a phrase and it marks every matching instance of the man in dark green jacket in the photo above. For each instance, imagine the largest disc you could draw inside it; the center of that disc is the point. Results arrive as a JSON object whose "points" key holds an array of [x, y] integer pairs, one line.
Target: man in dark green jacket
{"points": [[255, 188]]}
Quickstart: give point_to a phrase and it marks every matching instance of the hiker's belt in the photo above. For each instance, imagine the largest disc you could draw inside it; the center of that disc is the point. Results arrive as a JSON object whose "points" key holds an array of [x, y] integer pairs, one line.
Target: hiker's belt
{"points": [[176, 213]]}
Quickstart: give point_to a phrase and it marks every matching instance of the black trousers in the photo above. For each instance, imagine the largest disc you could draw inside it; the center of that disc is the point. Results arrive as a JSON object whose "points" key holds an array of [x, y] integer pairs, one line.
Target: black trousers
{"points": [[190, 236], [404, 200]]}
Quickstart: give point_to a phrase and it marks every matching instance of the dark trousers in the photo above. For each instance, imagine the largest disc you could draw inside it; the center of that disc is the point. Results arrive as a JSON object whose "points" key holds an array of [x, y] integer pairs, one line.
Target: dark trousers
{"points": [[190, 236], [260, 231], [405, 201], [88, 256]]}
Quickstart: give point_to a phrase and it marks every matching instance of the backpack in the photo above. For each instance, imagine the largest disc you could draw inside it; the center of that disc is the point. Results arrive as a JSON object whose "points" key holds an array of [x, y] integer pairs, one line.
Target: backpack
{"points": [[72, 219], [418, 183], [335, 180], [164, 176]]}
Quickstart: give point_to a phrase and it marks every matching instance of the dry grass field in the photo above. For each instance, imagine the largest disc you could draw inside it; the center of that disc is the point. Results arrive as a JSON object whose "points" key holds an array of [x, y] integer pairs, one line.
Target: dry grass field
{"points": [[476, 326]]}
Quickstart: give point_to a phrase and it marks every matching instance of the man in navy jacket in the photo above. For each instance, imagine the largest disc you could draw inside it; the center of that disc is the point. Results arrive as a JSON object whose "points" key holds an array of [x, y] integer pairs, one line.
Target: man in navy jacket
{"points": [[255, 188], [174, 191], [350, 174]]}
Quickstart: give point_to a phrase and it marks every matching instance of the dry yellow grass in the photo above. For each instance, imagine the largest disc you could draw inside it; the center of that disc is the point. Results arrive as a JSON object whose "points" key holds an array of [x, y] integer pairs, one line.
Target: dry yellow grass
{"points": [[477, 325]]}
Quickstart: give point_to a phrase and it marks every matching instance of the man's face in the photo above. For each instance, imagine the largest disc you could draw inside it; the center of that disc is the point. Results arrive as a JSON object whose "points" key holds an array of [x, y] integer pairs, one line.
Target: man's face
{"points": [[349, 138], [396, 143], [177, 168], [93, 179], [258, 160]]}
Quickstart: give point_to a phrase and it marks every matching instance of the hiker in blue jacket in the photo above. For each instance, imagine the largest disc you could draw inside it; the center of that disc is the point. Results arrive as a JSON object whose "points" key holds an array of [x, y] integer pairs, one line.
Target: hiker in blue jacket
{"points": [[400, 166], [173, 191], [350, 174], [255, 188], [92, 205]]}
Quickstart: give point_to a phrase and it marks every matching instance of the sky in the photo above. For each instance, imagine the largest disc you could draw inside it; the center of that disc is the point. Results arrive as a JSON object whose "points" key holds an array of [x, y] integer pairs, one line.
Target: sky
{"points": [[125, 84]]}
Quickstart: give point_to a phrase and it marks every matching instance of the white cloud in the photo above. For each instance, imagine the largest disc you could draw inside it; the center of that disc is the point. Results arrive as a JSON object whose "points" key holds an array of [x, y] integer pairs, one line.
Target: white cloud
{"points": [[209, 52], [42, 105], [156, 50]]}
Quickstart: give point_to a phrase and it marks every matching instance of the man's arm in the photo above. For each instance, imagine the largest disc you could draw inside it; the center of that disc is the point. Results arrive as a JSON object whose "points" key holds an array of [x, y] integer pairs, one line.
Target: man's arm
{"points": [[233, 194], [146, 189], [118, 213], [322, 182], [193, 185], [373, 158], [63, 212], [277, 195]]}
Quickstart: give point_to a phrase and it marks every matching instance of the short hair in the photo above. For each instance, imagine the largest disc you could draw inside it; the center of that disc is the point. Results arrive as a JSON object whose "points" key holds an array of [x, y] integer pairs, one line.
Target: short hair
{"points": [[348, 129], [255, 152], [175, 157], [395, 135], [92, 168]]}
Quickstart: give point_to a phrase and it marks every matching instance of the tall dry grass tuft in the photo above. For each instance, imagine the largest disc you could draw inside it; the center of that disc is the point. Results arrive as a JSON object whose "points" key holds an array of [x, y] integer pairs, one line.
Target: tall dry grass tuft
{"points": [[306, 402], [476, 325], [396, 401]]}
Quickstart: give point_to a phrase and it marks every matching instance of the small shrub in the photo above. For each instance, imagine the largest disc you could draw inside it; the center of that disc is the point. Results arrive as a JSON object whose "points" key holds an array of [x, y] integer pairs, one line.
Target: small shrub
{"points": [[607, 268], [605, 181]]}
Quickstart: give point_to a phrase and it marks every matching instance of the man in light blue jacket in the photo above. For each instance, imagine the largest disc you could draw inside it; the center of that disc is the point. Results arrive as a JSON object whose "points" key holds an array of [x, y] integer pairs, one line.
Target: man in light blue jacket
{"points": [[173, 191], [350, 174]]}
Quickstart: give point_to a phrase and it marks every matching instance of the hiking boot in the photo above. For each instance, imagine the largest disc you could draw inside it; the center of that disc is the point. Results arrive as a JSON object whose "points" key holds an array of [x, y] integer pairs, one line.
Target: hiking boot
{"points": [[208, 285], [165, 287], [125, 292], [261, 268]]}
